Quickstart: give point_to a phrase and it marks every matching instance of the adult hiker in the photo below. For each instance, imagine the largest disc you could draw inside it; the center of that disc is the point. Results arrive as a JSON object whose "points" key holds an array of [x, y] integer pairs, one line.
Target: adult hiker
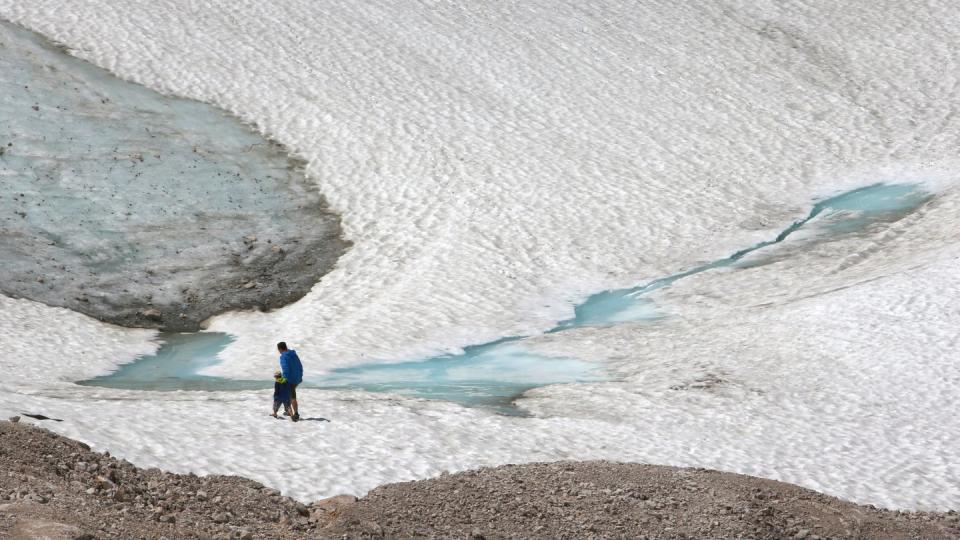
{"points": [[292, 371]]}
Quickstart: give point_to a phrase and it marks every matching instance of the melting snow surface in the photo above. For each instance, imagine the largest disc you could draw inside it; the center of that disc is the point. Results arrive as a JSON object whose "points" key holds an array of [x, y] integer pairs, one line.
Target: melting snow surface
{"points": [[495, 374]]}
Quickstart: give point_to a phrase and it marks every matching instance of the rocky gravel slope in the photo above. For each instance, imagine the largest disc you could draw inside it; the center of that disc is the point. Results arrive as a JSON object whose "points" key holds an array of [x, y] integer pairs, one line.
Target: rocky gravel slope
{"points": [[598, 499], [54, 487]]}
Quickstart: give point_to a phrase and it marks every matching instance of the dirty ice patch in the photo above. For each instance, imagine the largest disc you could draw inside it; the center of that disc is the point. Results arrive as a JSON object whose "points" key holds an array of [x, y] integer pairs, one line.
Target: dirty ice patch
{"points": [[142, 209]]}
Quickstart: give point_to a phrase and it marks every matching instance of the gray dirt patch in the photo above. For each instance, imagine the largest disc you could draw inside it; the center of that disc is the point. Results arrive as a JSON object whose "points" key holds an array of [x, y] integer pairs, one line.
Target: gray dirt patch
{"points": [[142, 209]]}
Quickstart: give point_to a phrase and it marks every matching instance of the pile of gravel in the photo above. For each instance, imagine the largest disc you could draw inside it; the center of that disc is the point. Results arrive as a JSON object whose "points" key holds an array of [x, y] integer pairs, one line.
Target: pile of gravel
{"points": [[617, 500], [54, 487]]}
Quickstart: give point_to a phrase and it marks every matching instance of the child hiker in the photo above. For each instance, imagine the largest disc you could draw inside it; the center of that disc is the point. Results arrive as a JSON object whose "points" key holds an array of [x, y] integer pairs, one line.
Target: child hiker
{"points": [[281, 394]]}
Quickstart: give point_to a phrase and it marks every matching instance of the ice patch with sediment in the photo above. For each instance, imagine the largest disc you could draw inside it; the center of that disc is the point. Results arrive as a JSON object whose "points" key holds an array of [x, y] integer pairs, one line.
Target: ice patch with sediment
{"points": [[143, 209], [495, 164]]}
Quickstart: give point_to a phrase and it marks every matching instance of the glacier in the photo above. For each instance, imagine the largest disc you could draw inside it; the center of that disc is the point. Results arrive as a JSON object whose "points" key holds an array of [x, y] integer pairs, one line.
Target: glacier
{"points": [[494, 165], [495, 374]]}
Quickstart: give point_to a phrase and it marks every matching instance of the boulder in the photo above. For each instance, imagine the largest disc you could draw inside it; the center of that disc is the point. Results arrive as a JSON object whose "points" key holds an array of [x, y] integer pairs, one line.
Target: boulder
{"points": [[152, 314], [105, 483], [39, 528], [333, 504], [221, 517]]}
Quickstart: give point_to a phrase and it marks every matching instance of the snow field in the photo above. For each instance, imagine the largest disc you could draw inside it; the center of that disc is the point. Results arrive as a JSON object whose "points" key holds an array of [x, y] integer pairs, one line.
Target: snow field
{"points": [[494, 164]]}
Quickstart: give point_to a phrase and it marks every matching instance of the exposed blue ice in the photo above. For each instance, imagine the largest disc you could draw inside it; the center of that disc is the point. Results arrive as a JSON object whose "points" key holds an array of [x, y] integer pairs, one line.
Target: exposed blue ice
{"points": [[493, 374], [176, 366], [849, 212], [490, 375]]}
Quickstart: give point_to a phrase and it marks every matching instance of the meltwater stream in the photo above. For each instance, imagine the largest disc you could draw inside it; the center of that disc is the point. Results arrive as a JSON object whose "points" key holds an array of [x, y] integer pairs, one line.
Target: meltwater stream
{"points": [[848, 212], [493, 374], [490, 375]]}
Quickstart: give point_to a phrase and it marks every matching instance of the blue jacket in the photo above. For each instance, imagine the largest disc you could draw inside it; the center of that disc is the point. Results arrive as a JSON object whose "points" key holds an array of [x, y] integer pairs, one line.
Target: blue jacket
{"points": [[281, 392], [291, 367]]}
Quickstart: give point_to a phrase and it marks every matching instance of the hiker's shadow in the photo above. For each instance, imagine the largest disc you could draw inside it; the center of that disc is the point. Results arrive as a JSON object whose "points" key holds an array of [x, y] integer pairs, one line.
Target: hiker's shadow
{"points": [[316, 419]]}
